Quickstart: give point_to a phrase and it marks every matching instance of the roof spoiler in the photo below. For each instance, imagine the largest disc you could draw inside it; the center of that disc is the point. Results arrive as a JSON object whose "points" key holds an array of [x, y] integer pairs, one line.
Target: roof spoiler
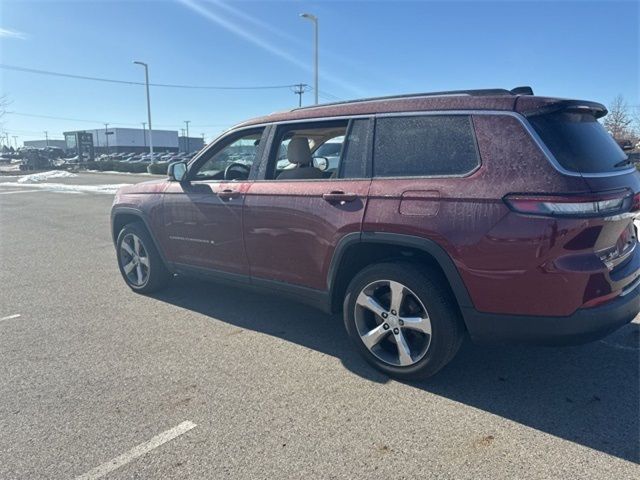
{"points": [[597, 109]]}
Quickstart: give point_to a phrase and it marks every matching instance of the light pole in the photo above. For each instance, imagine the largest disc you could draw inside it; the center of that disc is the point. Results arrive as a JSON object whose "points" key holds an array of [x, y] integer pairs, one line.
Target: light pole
{"points": [[106, 136], [144, 133], [146, 79], [46, 138], [314, 19], [187, 122]]}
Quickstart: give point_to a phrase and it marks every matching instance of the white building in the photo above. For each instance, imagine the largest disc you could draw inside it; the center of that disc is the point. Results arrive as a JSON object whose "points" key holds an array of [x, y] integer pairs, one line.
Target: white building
{"points": [[128, 140]]}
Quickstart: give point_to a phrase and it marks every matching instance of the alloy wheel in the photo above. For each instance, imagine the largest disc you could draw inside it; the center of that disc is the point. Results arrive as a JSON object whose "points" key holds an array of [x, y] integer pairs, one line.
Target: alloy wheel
{"points": [[134, 260], [393, 323]]}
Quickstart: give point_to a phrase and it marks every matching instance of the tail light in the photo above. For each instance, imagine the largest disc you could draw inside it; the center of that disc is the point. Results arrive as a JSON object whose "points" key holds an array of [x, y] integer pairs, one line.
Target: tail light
{"points": [[589, 205]]}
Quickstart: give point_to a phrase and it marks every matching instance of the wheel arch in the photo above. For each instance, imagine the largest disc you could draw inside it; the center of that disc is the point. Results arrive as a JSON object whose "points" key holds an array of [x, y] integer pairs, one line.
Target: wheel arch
{"points": [[121, 216], [358, 250]]}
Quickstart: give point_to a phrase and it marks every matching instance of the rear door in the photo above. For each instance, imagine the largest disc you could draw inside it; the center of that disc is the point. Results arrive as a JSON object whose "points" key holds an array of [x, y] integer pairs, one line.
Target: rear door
{"points": [[292, 227]]}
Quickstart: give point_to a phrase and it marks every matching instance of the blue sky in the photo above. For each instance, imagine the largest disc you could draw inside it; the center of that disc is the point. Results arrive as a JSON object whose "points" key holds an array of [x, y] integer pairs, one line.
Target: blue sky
{"points": [[583, 49]]}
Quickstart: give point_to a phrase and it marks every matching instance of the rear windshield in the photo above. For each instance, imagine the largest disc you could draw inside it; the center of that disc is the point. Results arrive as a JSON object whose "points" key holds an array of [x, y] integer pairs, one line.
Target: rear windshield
{"points": [[579, 142]]}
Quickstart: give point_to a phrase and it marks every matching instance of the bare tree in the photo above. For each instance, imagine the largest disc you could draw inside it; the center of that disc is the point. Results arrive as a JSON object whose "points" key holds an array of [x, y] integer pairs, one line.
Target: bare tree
{"points": [[619, 121]]}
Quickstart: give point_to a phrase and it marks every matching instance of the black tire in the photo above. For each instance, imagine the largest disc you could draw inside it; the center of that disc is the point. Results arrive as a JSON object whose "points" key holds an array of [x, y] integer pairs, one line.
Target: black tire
{"points": [[428, 286], [157, 276]]}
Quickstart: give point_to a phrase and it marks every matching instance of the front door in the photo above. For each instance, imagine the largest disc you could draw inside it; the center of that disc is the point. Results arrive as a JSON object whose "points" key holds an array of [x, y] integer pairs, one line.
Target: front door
{"points": [[203, 215], [294, 220]]}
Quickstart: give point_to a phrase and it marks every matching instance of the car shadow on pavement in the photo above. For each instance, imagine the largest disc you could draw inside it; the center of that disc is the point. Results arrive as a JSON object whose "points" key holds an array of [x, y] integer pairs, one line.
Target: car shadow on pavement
{"points": [[587, 394]]}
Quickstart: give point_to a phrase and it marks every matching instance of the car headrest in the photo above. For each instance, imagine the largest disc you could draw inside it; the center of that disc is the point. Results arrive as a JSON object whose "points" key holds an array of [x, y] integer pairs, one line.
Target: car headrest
{"points": [[298, 151]]}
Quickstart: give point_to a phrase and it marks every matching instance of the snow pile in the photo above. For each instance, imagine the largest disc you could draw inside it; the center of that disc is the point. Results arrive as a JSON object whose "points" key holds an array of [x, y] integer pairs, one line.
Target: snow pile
{"points": [[65, 188], [39, 177]]}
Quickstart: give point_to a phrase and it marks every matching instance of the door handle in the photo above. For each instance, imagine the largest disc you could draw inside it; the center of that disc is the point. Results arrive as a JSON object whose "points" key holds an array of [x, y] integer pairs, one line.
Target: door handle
{"points": [[339, 197], [228, 194]]}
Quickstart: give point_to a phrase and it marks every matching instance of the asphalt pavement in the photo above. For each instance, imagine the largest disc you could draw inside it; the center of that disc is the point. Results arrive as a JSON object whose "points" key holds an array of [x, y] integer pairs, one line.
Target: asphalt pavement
{"points": [[206, 381]]}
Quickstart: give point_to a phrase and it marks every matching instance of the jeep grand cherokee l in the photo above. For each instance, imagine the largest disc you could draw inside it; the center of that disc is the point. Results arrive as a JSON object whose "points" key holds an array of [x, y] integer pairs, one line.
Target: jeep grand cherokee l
{"points": [[496, 213]]}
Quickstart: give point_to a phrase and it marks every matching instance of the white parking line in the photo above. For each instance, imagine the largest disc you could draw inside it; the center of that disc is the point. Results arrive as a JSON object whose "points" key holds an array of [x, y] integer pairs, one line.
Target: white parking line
{"points": [[137, 452], [20, 191], [10, 317]]}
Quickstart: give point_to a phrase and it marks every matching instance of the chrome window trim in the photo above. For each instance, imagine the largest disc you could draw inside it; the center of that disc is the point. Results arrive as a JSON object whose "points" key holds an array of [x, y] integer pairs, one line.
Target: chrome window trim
{"points": [[521, 118]]}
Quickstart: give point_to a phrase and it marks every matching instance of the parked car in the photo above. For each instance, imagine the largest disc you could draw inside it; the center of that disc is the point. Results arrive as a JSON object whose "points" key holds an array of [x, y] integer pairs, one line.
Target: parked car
{"points": [[494, 213]]}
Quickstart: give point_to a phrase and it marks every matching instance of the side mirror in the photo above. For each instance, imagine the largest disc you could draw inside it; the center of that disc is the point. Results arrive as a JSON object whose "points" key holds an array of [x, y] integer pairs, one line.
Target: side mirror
{"points": [[321, 163], [177, 171]]}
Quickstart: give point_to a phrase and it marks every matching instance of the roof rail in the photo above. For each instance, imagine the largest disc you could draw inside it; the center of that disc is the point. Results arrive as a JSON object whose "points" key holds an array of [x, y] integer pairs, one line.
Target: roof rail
{"points": [[478, 93]]}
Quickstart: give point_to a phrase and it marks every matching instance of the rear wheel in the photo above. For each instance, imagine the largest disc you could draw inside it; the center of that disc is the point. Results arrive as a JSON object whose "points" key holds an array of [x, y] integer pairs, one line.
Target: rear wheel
{"points": [[403, 320], [140, 263]]}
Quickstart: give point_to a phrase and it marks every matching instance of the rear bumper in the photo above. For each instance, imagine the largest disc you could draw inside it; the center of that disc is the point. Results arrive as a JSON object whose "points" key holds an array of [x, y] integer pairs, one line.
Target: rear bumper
{"points": [[585, 325]]}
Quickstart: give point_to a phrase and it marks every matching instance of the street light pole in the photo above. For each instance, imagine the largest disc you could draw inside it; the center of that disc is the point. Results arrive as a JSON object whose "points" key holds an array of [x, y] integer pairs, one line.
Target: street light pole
{"points": [[106, 136], [314, 20], [146, 79], [187, 122], [46, 138], [144, 133]]}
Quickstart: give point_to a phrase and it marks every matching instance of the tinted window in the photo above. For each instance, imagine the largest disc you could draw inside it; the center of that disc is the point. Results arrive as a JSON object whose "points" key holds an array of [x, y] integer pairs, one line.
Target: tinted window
{"points": [[424, 146], [354, 162], [579, 142]]}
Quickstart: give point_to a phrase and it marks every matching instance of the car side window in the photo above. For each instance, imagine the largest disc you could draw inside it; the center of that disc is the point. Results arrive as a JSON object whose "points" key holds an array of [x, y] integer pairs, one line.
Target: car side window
{"points": [[431, 145], [307, 151], [355, 153], [232, 161]]}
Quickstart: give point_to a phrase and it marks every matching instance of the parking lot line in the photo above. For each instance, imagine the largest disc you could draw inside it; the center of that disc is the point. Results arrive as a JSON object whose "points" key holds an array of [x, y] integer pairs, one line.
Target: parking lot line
{"points": [[19, 191], [10, 317], [136, 452]]}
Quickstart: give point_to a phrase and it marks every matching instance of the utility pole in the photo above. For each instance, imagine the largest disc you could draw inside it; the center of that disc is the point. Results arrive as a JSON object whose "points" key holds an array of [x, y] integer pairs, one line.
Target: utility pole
{"points": [[299, 89], [182, 144], [187, 122], [313, 19], [146, 78], [144, 133], [46, 138], [106, 136]]}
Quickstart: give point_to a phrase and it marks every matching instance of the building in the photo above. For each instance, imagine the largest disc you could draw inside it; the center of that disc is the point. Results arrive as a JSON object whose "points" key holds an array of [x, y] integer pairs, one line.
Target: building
{"points": [[124, 140], [45, 143], [190, 144]]}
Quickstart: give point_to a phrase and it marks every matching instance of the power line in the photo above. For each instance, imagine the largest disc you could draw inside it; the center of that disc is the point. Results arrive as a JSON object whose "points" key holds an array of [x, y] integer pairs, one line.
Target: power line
{"points": [[101, 122], [128, 82]]}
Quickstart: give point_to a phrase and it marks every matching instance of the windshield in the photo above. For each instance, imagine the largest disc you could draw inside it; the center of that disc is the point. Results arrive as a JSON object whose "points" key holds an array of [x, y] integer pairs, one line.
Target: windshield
{"points": [[579, 142]]}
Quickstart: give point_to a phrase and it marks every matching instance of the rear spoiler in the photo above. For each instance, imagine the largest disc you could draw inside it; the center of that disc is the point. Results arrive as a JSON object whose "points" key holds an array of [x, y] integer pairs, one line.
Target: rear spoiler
{"points": [[597, 109]]}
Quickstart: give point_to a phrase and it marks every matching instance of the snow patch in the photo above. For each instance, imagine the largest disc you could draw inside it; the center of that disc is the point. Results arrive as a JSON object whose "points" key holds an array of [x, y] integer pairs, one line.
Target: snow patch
{"points": [[39, 177], [110, 189]]}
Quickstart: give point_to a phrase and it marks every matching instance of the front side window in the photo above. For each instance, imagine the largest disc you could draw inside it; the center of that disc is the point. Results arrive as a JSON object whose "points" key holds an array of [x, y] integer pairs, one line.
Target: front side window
{"points": [[233, 161], [432, 145]]}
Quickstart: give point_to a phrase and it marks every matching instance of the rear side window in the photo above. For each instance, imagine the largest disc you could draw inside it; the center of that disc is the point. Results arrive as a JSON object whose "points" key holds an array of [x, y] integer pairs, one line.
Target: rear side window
{"points": [[579, 142], [424, 146]]}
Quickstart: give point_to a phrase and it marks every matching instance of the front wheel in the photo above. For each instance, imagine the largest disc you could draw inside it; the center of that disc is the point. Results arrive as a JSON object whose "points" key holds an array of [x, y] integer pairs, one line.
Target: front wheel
{"points": [[140, 263], [402, 319]]}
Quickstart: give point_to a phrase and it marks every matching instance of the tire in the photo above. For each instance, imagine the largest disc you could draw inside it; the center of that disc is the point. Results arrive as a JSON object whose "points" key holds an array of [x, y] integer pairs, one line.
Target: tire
{"points": [[142, 270], [427, 325]]}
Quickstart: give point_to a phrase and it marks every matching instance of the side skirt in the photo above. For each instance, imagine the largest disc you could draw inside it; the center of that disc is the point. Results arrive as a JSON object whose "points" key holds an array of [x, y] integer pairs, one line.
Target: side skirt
{"points": [[309, 296]]}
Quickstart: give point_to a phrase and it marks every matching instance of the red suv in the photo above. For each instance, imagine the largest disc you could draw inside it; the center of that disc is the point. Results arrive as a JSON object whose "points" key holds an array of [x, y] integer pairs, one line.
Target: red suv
{"points": [[496, 213]]}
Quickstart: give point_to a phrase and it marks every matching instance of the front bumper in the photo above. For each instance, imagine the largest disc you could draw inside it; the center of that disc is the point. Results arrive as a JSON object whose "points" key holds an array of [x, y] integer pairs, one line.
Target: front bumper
{"points": [[586, 325]]}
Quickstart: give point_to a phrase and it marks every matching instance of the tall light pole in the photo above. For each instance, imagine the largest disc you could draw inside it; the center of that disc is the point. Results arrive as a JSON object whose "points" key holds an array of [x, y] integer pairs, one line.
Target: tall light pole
{"points": [[146, 80], [46, 138], [187, 122], [106, 136], [144, 133], [314, 19]]}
